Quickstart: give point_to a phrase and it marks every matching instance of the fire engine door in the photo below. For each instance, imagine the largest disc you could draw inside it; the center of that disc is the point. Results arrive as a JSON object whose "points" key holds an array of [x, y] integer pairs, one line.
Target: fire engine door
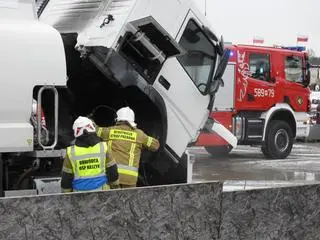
{"points": [[256, 90], [182, 82], [293, 74]]}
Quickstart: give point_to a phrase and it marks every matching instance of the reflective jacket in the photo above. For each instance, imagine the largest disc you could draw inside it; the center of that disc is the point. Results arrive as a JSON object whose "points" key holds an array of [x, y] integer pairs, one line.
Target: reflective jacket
{"points": [[88, 167], [126, 144]]}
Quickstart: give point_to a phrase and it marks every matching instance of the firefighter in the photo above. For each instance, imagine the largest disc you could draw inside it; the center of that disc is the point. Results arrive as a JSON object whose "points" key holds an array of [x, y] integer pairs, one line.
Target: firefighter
{"points": [[88, 165], [126, 142]]}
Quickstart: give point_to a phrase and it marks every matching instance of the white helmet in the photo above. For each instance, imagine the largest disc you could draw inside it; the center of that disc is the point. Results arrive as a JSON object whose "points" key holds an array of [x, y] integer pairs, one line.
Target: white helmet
{"points": [[81, 124], [126, 114]]}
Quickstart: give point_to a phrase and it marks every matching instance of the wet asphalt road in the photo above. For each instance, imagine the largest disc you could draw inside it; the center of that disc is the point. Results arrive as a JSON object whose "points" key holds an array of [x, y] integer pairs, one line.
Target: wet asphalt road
{"points": [[248, 163]]}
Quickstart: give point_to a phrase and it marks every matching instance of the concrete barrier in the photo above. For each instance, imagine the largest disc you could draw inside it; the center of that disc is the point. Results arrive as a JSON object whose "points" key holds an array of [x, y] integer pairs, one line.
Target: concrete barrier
{"points": [[314, 133], [165, 212], [284, 213], [193, 211]]}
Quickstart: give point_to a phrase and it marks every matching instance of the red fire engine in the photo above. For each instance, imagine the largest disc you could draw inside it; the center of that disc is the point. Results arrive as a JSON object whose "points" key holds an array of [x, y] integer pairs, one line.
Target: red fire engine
{"points": [[264, 99]]}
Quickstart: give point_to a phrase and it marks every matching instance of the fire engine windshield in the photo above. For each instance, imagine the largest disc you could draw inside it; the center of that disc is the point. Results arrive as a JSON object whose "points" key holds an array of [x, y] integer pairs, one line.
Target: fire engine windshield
{"points": [[200, 57]]}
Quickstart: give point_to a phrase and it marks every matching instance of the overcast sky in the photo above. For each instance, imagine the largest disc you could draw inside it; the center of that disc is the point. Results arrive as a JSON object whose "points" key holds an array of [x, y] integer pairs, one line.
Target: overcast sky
{"points": [[277, 21]]}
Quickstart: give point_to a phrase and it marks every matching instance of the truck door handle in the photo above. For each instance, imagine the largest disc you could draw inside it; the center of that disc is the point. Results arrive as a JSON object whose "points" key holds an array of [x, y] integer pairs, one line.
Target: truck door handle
{"points": [[164, 82]]}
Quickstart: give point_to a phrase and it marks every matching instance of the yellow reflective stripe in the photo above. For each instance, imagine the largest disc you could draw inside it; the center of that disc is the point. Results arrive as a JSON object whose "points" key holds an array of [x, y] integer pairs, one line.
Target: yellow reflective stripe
{"points": [[66, 170], [131, 159], [110, 145], [106, 147], [99, 133], [127, 172], [69, 151], [134, 169], [70, 158], [149, 142]]}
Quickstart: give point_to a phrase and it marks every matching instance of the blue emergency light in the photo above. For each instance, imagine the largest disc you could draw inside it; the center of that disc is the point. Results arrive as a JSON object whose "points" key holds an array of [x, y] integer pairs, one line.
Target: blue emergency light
{"points": [[295, 48]]}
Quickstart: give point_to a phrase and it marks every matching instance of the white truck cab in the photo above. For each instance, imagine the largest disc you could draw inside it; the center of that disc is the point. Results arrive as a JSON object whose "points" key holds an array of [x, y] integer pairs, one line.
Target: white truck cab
{"points": [[158, 57]]}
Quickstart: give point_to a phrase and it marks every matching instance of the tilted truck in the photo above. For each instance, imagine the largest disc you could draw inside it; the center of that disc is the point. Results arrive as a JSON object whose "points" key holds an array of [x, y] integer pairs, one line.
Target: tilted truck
{"points": [[265, 100], [158, 57]]}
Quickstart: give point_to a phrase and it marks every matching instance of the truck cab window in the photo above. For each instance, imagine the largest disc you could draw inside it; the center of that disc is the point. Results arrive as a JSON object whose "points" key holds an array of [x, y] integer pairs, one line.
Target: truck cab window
{"points": [[200, 56], [293, 69], [259, 66], [140, 58]]}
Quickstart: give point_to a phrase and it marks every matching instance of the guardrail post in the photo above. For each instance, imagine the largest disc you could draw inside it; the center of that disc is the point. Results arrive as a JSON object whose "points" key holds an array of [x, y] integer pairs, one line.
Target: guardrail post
{"points": [[190, 162]]}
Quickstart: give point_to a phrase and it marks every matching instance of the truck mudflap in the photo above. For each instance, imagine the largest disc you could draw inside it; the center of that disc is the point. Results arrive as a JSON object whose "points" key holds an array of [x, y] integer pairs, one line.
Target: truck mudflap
{"points": [[215, 127]]}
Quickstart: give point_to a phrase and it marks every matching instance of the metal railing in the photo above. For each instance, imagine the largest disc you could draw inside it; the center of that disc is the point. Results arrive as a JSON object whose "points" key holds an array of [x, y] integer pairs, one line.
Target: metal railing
{"points": [[56, 106]]}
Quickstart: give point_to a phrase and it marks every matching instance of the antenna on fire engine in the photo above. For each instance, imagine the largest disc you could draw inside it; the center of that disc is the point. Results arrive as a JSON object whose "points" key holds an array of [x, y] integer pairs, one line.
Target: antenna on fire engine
{"points": [[205, 7]]}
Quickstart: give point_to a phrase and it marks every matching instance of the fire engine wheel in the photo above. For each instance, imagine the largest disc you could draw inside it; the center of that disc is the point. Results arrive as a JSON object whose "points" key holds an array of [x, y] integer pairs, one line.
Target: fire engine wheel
{"points": [[218, 151], [278, 141]]}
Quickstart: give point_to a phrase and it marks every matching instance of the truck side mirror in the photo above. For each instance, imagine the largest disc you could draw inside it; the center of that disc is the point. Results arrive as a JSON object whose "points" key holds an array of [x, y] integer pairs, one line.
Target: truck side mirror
{"points": [[308, 73], [222, 64], [217, 79], [308, 77], [221, 46]]}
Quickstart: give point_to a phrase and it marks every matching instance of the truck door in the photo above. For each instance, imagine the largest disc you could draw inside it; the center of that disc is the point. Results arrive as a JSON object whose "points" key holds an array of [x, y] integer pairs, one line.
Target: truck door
{"points": [[295, 94], [256, 90], [182, 82]]}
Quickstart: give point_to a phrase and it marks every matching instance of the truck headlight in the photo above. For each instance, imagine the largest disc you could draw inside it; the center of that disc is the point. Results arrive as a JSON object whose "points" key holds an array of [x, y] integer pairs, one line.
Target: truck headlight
{"points": [[238, 127]]}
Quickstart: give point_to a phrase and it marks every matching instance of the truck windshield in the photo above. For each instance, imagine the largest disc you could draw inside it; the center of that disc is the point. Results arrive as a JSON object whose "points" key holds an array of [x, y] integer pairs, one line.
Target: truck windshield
{"points": [[200, 57]]}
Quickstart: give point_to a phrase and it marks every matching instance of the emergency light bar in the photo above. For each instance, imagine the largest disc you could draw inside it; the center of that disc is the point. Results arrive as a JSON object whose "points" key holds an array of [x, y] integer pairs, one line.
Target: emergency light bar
{"points": [[295, 48]]}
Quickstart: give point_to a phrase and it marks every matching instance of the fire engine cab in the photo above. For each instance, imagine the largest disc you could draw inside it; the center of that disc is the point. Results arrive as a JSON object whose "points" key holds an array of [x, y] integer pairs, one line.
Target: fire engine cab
{"points": [[264, 99]]}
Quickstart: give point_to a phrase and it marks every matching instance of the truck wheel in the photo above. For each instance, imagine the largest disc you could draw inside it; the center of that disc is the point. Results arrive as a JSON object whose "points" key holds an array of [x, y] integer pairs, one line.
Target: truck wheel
{"points": [[218, 151], [278, 140]]}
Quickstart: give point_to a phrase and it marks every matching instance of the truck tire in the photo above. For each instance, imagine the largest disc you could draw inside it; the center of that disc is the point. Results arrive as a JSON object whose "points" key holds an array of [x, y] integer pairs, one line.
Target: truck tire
{"points": [[278, 141], [218, 151]]}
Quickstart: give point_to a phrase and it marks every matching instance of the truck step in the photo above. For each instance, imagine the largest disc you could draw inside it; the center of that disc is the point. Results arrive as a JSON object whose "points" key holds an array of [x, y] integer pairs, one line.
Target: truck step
{"points": [[47, 153], [254, 129]]}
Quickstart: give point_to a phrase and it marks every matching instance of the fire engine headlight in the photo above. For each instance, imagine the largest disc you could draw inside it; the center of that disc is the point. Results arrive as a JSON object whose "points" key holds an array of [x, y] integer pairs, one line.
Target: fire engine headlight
{"points": [[238, 127]]}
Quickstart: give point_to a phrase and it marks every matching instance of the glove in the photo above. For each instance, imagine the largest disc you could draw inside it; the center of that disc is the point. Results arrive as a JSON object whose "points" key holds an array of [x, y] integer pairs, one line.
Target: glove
{"points": [[115, 184]]}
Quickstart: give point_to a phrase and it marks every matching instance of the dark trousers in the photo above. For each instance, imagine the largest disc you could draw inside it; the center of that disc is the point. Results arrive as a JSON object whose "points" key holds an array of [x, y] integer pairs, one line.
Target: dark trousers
{"points": [[127, 186]]}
